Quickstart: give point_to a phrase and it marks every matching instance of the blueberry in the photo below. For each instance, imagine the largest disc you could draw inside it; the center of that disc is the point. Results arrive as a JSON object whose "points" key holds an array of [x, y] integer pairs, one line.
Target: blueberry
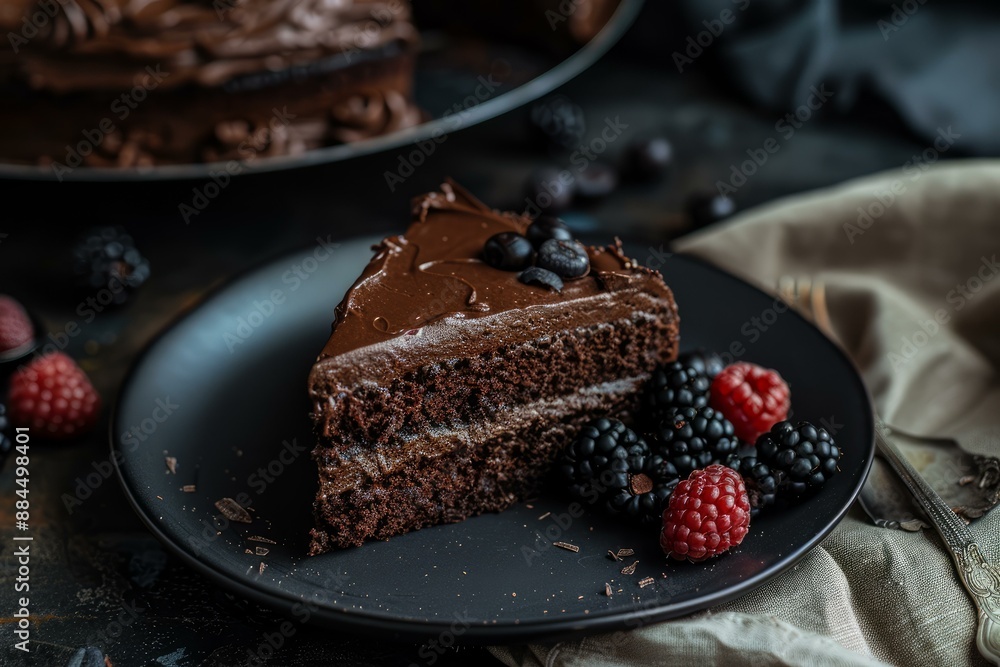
{"points": [[534, 275], [547, 191], [567, 259], [547, 227], [508, 251], [706, 209], [596, 180], [647, 159]]}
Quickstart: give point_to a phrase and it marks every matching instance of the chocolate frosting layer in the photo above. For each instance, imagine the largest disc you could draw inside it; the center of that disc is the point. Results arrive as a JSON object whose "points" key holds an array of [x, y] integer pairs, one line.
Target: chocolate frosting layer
{"points": [[435, 273], [108, 44]]}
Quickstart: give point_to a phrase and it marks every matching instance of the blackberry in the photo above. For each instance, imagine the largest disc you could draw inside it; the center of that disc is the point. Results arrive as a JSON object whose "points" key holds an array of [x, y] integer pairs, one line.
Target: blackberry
{"points": [[108, 258], [761, 482], [608, 462], [558, 123], [693, 438], [804, 457], [5, 441], [703, 361], [675, 385]]}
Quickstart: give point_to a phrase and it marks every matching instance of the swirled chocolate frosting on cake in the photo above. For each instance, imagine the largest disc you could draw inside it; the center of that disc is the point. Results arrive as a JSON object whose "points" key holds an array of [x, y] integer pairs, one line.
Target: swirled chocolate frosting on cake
{"points": [[448, 386], [133, 82]]}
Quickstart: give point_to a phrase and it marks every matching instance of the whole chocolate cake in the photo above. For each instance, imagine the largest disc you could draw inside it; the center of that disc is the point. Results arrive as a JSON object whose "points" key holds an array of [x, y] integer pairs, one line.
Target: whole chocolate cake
{"points": [[448, 386], [132, 83]]}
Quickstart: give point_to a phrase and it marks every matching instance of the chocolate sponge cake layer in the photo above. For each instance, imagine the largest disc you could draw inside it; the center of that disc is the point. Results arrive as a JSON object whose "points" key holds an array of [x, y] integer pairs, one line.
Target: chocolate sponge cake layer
{"points": [[448, 387]]}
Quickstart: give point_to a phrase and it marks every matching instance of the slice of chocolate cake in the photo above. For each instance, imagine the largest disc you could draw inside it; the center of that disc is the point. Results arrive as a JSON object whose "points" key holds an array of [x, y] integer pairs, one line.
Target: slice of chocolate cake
{"points": [[448, 386]]}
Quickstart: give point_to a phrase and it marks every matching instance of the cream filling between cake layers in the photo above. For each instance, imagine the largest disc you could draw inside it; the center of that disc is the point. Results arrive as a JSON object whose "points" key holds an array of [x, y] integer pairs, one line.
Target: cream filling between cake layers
{"points": [[358, 465]]}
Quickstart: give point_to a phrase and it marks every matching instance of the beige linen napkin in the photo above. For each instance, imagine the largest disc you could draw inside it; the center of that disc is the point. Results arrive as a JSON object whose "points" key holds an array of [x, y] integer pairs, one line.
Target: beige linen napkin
{"points": [[909, 258]]}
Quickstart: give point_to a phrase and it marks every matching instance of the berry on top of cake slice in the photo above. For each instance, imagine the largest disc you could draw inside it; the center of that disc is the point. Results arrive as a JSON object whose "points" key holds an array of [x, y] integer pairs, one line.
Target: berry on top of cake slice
{"points": [[463, 359]]}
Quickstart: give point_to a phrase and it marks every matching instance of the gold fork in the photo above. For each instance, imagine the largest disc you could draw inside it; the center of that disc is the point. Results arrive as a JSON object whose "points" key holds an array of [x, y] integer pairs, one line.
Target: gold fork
{"points": [[980, 578]]}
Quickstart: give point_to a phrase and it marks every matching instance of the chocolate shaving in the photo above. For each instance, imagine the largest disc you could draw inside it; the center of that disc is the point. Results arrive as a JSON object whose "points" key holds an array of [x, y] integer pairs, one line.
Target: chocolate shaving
{"points": [[630, 569], [607, 590], [625, 553], [567, 546], [261, 551], [611, 555], [640, 484], [171, 462], [258, 538], [188, 488], [262, 566], [648, 581], [232, 510]]}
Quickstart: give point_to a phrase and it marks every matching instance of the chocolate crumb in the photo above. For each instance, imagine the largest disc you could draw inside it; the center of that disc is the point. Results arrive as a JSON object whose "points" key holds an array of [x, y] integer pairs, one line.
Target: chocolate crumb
{"points": [[968, 479], [611, 555], [258, 538], [232, 510], [630, 569], [648, 581], [262, 566], [171, 462], [640, 484], [607, 590], [188, 488], [567, 546], [544, 516], [261, 551], [625, 553]]}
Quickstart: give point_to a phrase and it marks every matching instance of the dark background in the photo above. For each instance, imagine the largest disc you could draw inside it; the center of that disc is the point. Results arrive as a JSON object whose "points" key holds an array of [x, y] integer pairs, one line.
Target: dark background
{"points": [[97, 564]]}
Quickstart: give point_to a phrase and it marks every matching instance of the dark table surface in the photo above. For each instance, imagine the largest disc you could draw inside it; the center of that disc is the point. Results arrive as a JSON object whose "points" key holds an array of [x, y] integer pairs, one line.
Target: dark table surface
{"points": [[97, 577]]}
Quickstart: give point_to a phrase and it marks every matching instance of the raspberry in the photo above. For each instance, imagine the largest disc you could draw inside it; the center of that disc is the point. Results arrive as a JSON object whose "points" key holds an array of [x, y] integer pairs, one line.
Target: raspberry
{"points": [[16, 330], [709, 513], [53, 396], [753, 398]]}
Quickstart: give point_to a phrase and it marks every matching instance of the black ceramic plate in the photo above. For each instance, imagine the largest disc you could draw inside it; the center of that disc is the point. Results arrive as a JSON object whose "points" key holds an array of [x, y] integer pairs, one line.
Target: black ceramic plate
{"points": [[446, 76], [224, 392]]}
